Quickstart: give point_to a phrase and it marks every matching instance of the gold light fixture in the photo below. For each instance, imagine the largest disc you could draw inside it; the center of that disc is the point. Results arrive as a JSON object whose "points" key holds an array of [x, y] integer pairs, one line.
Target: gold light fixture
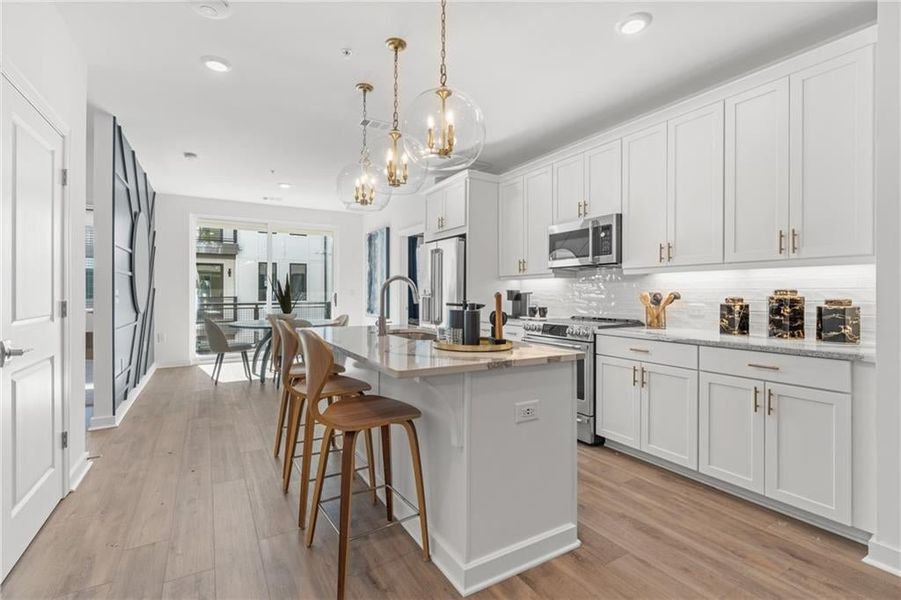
{"points": [[358, 182], [396, 169], [445, 127]]}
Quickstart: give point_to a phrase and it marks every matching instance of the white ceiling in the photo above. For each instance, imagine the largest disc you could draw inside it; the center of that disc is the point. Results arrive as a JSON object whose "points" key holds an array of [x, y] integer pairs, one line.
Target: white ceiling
{"points": [[544, 74]]}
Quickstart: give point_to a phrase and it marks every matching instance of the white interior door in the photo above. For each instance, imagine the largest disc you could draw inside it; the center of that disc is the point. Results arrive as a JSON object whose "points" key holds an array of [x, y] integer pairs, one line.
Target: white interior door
{"points": [[31, 391]]}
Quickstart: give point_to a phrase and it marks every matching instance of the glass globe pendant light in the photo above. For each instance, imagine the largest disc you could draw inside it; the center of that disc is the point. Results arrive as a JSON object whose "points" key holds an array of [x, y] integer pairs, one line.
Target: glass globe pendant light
{"points": [[359, 183], [445, 128]]}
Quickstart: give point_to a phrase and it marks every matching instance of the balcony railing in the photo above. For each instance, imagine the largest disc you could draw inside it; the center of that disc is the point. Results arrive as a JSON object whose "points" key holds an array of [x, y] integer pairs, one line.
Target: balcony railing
{"points": [[228, 309]]}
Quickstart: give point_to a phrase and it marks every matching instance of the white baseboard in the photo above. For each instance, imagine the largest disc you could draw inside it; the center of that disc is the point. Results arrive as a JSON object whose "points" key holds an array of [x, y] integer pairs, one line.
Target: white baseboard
{"points": [[108, 421], [78, 471], [884, 557]]}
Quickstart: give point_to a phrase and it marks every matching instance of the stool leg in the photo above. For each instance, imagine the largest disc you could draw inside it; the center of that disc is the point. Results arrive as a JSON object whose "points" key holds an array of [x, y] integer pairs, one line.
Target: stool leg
{"points": [[317, 489], [309, 432], [294, 414], [420, 490], [371, 465], [347, 476], [386, 467], [282, 409]]}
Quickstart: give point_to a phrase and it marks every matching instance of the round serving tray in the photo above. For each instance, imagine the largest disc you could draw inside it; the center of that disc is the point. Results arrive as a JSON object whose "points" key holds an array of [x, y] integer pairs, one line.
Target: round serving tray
{"points": [[485, 345]]}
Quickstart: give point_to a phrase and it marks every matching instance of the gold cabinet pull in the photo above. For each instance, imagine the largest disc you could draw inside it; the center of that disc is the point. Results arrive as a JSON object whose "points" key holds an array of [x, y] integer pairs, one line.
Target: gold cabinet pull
{"points": [[642, 350], [669, 252], [581, 214], [767, 367], [756, 396], [781, 242], [795, 236], [585, 208], [634, 375], [769, 402], [660, 254], [525, 266], [644, 381]]}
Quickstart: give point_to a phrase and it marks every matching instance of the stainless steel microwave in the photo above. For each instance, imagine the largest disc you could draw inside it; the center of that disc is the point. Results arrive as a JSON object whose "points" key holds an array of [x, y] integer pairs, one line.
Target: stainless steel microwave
{"points": [[589, 242]]}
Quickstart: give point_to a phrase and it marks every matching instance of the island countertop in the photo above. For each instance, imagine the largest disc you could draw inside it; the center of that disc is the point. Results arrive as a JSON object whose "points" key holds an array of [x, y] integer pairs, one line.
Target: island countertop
{"points": [[407, 358]]}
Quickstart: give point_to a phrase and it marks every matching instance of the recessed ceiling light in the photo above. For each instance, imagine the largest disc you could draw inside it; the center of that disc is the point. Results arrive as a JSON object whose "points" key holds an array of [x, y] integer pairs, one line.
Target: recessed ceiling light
{"points": [[347, 52], [634, 23], [190, 155], [284, 185], [214, 63]]}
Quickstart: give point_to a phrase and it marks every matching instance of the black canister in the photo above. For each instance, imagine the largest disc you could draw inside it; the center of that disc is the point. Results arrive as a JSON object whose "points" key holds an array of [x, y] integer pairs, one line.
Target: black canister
{"points": [[786, 311], [472, 327], [735, 317], [838, 321]]}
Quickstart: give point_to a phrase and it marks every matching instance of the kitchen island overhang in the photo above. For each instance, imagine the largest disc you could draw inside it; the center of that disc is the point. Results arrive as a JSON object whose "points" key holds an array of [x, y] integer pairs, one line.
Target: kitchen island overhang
{"points": [[501, 484]]}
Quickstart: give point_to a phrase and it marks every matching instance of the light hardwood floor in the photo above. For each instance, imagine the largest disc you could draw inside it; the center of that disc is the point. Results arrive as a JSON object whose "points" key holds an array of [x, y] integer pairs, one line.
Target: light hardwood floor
{"points": [[185, 502]]}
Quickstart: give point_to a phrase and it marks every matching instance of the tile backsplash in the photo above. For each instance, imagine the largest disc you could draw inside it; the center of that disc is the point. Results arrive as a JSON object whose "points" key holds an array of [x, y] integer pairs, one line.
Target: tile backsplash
{"points": [[607, 292]]}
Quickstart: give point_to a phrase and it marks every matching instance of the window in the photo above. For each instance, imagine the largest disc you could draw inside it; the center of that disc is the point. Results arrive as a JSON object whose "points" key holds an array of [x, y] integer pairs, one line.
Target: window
{"points": [[298, 274], [261, 280], [210, 280]]}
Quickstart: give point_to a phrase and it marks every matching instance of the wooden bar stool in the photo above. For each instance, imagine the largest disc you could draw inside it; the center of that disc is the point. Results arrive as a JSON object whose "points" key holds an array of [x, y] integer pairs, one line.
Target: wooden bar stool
{"points": [[352, 416], [334, 386], [296, 373]]}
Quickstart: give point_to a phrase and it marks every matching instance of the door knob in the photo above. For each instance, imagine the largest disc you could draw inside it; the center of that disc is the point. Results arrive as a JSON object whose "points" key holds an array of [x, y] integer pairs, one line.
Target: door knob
{"points": [[7, 352]]}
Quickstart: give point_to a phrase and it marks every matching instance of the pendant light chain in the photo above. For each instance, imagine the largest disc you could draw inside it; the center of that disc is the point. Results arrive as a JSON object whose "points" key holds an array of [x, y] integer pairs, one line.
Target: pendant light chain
{"points": [[395, 126], [443, 43], [364, 151]]}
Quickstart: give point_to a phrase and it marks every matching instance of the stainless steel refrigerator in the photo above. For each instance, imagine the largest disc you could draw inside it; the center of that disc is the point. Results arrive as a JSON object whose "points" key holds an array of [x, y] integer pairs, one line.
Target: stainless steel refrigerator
{"points": [[442, 279]]}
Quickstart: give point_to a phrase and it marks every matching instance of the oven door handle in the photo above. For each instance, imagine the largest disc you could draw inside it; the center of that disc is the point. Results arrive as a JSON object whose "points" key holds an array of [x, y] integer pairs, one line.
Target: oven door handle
{"points": [[540, 340]]}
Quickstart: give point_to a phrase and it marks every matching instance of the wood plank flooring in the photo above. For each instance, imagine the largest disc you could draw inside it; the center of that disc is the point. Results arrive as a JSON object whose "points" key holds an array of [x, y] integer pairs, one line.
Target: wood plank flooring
{"points": [[185, 502]]}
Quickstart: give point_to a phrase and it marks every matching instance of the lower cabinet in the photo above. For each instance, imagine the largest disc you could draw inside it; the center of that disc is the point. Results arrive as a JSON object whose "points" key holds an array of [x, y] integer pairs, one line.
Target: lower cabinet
{"points": [[653, 408], [789, 443]]}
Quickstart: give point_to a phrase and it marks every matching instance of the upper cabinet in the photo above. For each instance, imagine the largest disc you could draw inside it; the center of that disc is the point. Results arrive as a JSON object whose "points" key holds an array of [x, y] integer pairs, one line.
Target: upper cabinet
{"points": [[445, 209], [526, 211], [694, 190], [756, 174], [644, 198], [831, 158], [588, 184]]}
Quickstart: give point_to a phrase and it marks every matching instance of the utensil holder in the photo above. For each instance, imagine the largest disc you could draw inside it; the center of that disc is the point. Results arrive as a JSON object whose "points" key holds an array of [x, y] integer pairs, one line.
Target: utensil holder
{"points": [[655, 317]]}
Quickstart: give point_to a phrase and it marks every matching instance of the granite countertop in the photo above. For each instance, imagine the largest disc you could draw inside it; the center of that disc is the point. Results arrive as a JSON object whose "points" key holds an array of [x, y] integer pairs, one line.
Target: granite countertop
{"points": [[405, 358], [704, 337]]}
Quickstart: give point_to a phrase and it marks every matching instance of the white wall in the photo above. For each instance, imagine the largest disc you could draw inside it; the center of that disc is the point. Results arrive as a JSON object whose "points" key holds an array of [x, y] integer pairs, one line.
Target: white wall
{"points": [[885, 546], [36, 43], [175, 263]]}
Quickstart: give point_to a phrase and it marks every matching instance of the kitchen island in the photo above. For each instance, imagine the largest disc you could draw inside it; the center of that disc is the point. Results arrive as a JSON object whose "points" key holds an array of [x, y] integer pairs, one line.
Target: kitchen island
{"points": [[498, 444]]}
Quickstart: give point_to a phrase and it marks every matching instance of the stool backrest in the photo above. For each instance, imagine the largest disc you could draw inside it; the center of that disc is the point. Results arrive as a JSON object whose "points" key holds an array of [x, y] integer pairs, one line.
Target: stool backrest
{"points": [[319, 361], [276, 343], [290, 348], [341, 321], [301, 323]]}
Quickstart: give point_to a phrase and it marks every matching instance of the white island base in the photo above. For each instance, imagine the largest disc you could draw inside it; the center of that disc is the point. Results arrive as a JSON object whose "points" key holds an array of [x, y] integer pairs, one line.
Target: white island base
{"points": [[501, 494]]}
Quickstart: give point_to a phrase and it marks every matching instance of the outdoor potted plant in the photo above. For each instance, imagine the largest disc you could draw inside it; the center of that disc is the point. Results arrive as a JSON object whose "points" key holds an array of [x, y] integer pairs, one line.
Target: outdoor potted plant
{"points": [[286, 299]]}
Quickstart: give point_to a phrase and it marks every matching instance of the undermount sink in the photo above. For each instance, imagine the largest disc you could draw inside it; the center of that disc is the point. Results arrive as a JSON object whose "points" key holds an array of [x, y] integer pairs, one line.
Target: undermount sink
{"points": [[414, 334]]}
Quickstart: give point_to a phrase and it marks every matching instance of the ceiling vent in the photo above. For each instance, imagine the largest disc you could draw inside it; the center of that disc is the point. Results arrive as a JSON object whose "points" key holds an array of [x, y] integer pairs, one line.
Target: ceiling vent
{"points": [[212, 9]]}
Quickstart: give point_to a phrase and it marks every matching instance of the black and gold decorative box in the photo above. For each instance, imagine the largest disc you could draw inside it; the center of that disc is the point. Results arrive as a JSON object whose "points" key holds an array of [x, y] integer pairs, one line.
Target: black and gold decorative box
{"points": [[786, 311], [735, 317], [838, 321]]}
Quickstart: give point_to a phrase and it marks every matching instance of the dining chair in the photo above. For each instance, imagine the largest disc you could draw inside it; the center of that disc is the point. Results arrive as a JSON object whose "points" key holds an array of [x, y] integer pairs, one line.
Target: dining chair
{"points": [[219, 344]]}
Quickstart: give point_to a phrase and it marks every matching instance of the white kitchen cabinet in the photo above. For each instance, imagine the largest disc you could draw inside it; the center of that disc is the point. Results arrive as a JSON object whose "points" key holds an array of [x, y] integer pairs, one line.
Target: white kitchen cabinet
{"points": [[511, 228], [808, 450], [603, 179], [831, 157], [446, 209], [757, 174], [644, 198], [569, 189], [669, 413], [694, 211], [731, 419], [539, 216], [618, 405], [526, 211]]}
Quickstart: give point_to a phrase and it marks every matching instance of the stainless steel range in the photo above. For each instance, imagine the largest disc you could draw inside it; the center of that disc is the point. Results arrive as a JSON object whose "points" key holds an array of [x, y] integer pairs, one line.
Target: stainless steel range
{"points": [[577, 333]]}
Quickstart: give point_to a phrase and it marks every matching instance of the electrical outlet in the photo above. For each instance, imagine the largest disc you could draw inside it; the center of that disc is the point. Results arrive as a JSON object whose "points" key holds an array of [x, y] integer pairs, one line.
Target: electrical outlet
{"points": [[526, 411]]}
